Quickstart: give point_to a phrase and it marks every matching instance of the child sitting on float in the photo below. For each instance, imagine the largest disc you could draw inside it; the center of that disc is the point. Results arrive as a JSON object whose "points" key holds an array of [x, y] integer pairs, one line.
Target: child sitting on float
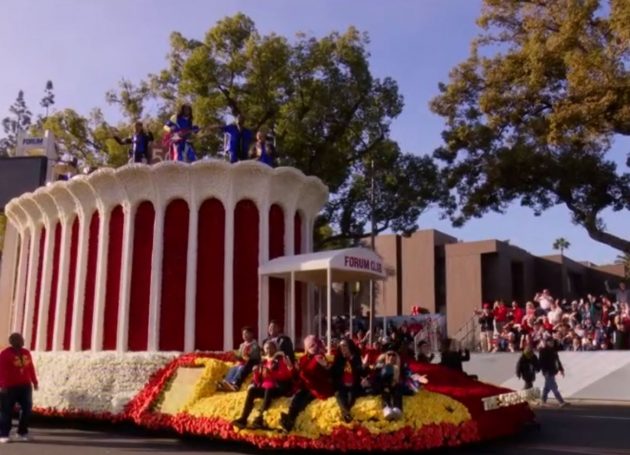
{"points": [[394, 380], [248, 355], [313, 381], [272, 379]]}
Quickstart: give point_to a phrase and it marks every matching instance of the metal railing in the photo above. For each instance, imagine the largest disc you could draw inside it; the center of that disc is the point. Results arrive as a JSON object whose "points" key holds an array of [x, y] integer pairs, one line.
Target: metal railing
{"points": [[468, 335]]}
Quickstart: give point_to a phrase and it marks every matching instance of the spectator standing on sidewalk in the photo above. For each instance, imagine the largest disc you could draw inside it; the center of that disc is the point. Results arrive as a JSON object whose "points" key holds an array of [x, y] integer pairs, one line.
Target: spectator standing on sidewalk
{"points": [[622, 294], [550, 366], [486, 324], [527, 366], [17, 381]]}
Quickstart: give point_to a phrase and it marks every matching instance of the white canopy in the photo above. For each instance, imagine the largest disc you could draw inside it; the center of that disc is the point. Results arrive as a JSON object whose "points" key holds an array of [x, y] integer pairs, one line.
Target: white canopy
{"points": [[351, 264], [325, 268]]}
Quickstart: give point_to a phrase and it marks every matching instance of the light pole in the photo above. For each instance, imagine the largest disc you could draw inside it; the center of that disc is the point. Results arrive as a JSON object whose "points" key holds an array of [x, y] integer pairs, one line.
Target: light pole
{"points": [[372, 244]]}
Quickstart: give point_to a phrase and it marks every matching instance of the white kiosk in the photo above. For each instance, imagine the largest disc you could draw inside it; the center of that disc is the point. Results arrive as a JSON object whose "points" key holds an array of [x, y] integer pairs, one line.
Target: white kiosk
{"points": [[324, 269]]}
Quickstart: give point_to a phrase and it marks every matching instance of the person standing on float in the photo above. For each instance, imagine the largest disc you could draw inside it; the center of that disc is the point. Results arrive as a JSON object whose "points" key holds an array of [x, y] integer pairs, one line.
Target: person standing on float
{"points": [[239, 139], [140, 143], [179, 129]]}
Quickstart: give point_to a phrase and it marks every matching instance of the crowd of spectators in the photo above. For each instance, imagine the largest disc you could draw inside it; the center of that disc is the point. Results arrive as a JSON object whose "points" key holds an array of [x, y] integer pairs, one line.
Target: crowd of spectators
{"points": [[592, 323]]}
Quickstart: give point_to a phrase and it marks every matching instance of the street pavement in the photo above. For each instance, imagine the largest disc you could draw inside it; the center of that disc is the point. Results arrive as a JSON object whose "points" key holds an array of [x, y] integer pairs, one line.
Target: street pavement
{"points": [[577, 429]]}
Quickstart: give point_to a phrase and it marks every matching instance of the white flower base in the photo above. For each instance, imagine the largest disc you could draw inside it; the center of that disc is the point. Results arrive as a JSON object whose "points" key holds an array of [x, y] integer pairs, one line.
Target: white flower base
{"points": [[94, 382]]}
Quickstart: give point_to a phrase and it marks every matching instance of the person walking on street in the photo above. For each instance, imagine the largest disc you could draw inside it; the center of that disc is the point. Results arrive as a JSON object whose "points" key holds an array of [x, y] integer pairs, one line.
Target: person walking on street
{"points": [[527, 366], [17, 381], [550, 366]]}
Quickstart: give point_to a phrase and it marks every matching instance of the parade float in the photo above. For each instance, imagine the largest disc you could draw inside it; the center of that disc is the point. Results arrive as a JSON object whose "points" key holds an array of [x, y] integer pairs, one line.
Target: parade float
{"points": [[131, 286]]}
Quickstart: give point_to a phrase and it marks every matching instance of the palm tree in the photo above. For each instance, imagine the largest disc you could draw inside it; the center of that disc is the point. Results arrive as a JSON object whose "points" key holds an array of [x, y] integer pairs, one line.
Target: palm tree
{"points": [[561, 244], [624, 259]]}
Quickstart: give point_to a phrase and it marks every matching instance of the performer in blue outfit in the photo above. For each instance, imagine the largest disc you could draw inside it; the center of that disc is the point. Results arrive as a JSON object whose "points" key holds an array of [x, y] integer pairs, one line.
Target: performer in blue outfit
{"points": [[179, 130], [240, 139], [263, 149], [140, 144]]}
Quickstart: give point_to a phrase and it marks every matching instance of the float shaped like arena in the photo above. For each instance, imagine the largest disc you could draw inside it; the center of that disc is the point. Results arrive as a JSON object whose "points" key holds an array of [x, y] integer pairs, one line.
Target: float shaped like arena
{"points": [[131, 287]]}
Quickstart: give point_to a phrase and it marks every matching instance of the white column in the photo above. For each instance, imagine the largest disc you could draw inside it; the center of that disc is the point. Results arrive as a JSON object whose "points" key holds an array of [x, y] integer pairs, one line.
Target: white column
{"points": [[8, 271], [31, 287], [292, 309], [263, 256], [329, 310], [20, 292], [156, 278], [78, 303], [228, 282], [62, 284], [122, 334], [191, 279], [101, 280], [44, 292]]}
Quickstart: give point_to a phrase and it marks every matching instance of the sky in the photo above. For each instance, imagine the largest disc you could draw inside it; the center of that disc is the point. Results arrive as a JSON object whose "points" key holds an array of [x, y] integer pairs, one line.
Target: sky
{"points": [[86, 47]]}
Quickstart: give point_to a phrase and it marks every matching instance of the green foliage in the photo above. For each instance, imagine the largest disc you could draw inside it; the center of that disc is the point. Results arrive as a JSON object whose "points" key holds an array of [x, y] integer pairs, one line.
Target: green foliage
{"points": [[534, 122], [49, 97], [19, 120], [330, 116], [561, 244]]}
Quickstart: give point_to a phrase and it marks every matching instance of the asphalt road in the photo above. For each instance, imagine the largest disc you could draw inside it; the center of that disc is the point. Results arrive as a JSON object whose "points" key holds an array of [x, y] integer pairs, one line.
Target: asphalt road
{"points": [[584, 430]]}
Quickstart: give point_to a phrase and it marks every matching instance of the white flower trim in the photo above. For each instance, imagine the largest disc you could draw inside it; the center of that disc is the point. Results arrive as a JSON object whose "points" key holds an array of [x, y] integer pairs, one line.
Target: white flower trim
{"points": [[95, 382]]}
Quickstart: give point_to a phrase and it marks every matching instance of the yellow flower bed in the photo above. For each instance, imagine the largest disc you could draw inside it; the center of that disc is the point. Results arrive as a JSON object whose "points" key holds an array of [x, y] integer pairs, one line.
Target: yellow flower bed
{"points": [[321, 416]]}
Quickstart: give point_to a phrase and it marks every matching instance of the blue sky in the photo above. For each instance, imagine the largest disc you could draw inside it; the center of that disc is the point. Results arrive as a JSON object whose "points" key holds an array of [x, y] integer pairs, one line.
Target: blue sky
{"points": [[86, 47]]}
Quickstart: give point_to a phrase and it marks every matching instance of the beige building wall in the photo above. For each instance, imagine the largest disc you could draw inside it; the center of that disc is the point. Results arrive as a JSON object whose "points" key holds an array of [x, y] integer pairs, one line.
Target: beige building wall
{"points": [[386, 301]]}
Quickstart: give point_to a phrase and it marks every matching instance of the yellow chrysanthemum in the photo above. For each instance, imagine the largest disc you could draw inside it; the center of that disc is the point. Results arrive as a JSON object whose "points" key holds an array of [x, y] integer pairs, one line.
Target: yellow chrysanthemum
{"points": [[321, 416]]}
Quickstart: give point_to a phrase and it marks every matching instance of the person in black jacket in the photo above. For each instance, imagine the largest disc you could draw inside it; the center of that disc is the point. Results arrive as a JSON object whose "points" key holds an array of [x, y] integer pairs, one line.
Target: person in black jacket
{"points": [[283, 342], [527, 366], [550, 366], [452, 358], [347, 373]]}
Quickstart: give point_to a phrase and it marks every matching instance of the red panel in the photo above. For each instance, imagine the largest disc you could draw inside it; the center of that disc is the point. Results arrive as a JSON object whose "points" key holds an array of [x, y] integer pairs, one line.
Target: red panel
{"points": [[172, 309], [112, 286], [72, 272], [276, 248], [210, 276], [54, 282], [245, 272], [38, 286], [140, 293], [297, 236], [90, 283]]}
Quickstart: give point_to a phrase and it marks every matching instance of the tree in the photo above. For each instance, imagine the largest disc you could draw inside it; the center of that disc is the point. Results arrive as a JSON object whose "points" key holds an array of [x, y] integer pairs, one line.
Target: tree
{"points": [[534, 122], [19, 120], [328, 112], [561, 244], [49, 97]]}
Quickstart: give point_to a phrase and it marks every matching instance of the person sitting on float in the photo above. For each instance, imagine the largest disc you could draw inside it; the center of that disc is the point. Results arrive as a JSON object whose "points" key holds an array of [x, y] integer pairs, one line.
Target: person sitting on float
{"points": [[313, 381], [272, 379], [424, 352], [393, 380], [247, 357], [346, 373], [283, 342], [263, 149], [179, 129]]}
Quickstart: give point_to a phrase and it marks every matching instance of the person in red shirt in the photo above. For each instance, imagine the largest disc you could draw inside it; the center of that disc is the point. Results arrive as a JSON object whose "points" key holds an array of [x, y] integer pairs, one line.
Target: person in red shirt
{"points": [[17, 380], [500, 313], [346, 373], [517, 313], [272, 379], [313, 381]]}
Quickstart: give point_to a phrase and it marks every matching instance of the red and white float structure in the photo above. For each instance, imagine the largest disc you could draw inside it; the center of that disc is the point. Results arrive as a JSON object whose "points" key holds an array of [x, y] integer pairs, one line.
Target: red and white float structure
{"points": [[153, 258]]}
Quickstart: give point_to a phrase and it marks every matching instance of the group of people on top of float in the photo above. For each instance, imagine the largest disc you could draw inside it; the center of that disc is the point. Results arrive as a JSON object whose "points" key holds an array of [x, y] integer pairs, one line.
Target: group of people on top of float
{"points": [[346, 375], [241, 142]]}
